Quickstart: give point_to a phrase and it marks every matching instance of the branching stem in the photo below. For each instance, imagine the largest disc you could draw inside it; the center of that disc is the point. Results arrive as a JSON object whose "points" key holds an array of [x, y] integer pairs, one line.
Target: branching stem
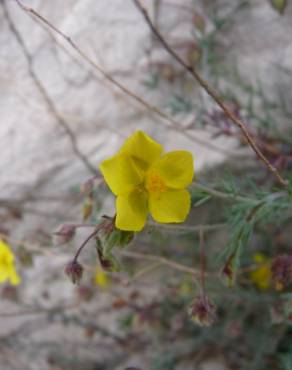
{"points": [[214, 95], [172, 123]]}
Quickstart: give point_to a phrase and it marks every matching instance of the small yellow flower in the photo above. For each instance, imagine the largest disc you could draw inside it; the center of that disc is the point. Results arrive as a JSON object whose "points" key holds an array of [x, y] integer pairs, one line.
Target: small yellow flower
{"points": [[101, 279], [262, 275], [7, 266], [146, 180]]}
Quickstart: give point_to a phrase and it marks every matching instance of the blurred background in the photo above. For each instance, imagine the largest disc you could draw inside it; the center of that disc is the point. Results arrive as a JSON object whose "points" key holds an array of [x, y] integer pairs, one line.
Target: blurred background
{"points": [[60, 117]]}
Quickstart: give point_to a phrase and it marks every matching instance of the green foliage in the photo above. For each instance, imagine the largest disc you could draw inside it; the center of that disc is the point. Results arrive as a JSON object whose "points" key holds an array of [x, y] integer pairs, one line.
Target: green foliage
{"points": [[179, 104], [279, 5], [286, 361], [152, 82]]}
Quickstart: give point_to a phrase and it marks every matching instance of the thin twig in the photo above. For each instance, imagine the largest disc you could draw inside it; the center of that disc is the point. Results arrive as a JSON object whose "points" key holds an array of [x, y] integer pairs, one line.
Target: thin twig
{"points": [[186, 228], [144, 271], [40, 310], [214, 95], [202, 263], [221, 195], [162, 260], [172, 123], [238, 198], [90, 236]]}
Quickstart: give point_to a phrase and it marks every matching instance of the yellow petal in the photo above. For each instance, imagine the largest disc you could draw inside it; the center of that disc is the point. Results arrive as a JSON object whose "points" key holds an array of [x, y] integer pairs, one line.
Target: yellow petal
{"points": [[261, 277], [260, 258], [142, 148], [176, 168], [120, 173], [170, 206], [5, 252], [3, 274], [101, 279], [14, 277], [131, 211]]}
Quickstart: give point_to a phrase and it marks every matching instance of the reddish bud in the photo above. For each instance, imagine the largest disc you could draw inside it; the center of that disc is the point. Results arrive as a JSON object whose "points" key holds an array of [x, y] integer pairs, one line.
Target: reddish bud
{"points": [[74, 271], [203, 311], [64, 234], [199, 21], [105, 263], [87, 209], [119, 303], [227, 272], [282, 271], [87, 187]]}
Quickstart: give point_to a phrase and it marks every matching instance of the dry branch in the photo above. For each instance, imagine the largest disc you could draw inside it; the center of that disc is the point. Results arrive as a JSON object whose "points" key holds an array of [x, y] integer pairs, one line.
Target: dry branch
{"points": [[214, 95], [172, 123]]}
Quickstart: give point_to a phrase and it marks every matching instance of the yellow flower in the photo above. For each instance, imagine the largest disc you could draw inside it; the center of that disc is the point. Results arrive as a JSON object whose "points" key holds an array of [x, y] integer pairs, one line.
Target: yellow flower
{"points": [[146, 180], [262, 275], [7, 266], [101, 279]]}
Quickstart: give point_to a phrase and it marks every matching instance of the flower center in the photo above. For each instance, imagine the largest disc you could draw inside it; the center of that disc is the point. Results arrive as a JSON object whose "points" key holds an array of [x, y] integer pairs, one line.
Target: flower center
{"points": [[154, 183]]}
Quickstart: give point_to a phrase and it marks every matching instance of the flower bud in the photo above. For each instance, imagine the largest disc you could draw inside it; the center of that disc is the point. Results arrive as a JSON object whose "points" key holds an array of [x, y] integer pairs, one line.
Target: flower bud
{"points": [[227, 272], [87, 209], [87, 187], [74, 271], [199, 21], [111, 237], [282, 271], [64, 234], [203, 311]]}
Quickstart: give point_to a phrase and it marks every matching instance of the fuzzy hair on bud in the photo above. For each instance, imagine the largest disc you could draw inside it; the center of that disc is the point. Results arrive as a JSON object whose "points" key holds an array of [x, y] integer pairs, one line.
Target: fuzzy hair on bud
{"points": [[74, 271], [203, 311], [64, 234]]}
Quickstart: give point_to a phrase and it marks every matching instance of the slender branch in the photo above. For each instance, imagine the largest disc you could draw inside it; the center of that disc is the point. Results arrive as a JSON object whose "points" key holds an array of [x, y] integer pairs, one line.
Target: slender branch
{"points": [[186, 228], [172, 123], [90, 236], [43, 92], [238, 198], [145, 271], [214, 95], [39, 310], [162, 260], [202, 263], [77, 320], [221, 195]]}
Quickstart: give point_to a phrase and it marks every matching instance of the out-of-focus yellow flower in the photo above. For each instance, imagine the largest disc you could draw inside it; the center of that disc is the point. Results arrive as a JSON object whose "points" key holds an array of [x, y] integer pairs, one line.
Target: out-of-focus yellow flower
{"points": [[186, 288], [262, 275], [101, 279], [144, 179], [7, 265]]}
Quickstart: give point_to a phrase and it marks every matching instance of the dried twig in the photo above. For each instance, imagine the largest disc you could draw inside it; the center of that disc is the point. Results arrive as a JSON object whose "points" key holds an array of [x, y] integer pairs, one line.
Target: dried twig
{"points": [[186, 228], [214, 95], [28, 311], [162, 260], [89, 237], [172, 123]]}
